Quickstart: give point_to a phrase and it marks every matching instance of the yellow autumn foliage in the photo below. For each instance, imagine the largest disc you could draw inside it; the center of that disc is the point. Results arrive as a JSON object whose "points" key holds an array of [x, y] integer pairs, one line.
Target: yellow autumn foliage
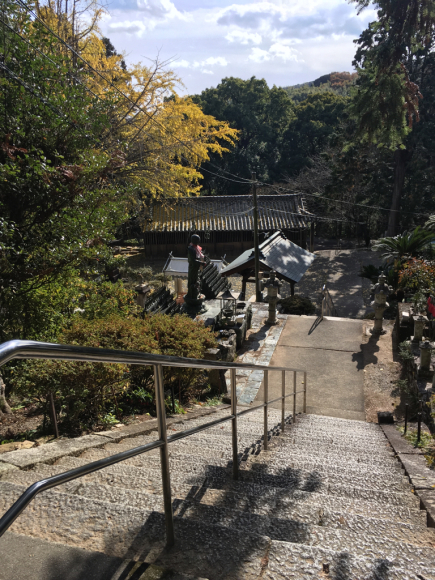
{"points": [[160, 139]]}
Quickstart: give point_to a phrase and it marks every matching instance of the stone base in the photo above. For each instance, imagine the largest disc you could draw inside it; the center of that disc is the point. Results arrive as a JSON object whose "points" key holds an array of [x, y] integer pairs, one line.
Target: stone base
{"points": [[374, 331], [424, 373], [193, 307]]}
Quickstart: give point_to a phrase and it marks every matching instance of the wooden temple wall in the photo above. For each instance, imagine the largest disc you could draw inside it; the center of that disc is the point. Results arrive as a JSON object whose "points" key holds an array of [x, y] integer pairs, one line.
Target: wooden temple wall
{"points": [[231, 244]]}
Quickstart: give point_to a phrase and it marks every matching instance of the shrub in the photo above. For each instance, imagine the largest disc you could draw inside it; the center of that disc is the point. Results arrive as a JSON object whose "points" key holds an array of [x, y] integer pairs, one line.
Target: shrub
{"points": [[87, 393], [418, 275], [371, 272], [297, 305]]}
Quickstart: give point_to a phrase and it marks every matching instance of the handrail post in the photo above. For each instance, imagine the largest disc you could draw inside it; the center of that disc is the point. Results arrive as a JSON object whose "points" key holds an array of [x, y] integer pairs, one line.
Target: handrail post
{"points": [[266, 398], [164, 455], [234, 424], [283, 402], [305, 392], [294, 396]]}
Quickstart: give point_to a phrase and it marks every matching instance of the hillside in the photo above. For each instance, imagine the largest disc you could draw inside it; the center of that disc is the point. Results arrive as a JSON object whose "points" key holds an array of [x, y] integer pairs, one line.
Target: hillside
{"points": [[335, 82]]}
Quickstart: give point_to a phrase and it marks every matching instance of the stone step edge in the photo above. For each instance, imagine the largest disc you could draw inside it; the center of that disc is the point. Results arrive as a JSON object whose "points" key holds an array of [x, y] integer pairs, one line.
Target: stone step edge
{"points": [[229, 482], [50, 452], [404, 449], [65, 496], [318, 497], [411, 526]]}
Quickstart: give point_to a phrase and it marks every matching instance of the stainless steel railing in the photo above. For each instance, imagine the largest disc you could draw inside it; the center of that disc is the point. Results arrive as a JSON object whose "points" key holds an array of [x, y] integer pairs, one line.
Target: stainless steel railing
{"points": [[328, 308], [18, 349]]}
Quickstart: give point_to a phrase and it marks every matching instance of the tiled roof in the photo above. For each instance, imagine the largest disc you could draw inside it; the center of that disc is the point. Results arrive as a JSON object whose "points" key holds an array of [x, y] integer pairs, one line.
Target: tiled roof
{"points": [[279, 254], [228, 213]]}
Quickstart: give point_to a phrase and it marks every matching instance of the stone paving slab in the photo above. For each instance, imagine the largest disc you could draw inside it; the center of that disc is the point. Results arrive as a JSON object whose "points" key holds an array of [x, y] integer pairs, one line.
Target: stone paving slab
{"points": [[331, 353], [258, 349], [399, 443], [30, 558], [300, 562], [414, 463], [25, 458]]}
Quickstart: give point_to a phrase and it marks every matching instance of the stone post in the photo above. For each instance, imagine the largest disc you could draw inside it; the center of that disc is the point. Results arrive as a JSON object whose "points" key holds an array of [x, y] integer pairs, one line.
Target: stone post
{"points": [[380, 291], [142, 293], [424, 368], [272, 285], [216, 376], [419, 324]]}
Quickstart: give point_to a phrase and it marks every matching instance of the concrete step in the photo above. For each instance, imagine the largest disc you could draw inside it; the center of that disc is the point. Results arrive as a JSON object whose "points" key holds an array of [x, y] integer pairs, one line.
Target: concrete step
{"points": [[297, 526], [324, 448], [27, 558], [339, 460], [308, 505], [220, 478], [210, 551], [273, 474], [374, 479], [337, 421], [301, 562], [339, 439], [119, 529], [271, 471]]}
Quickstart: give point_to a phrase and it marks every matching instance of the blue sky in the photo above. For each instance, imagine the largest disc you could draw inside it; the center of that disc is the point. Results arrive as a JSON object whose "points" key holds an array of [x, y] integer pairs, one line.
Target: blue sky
{"points": [[284, 41]]}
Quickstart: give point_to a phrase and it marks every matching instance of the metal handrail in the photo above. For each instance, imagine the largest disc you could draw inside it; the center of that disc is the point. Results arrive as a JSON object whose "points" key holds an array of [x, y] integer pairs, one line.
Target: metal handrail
{"points": [[17, 349]]}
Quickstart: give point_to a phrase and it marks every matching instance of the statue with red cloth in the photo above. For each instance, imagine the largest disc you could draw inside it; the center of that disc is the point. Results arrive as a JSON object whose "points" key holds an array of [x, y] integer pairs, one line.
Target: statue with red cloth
{"points": [[196, 260]]}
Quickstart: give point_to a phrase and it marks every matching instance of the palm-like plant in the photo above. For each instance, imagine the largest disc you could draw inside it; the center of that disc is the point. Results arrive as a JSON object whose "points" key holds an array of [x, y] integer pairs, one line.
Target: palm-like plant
{"points": [[430, 224], [408, 244]]}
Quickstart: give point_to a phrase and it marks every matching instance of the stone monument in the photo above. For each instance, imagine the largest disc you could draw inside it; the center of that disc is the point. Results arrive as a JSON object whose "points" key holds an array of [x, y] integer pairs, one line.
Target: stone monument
{"points": [[380, 292], [193, 300], [272, 285]]}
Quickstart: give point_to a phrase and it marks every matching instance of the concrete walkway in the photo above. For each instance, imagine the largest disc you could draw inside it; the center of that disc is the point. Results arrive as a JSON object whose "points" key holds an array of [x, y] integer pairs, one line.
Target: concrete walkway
{"points": [[330, 351], [340, 271]]}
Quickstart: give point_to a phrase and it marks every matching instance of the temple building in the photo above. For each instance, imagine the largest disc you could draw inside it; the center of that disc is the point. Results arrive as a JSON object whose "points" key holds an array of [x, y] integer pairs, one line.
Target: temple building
{"points": [[224, 223]]}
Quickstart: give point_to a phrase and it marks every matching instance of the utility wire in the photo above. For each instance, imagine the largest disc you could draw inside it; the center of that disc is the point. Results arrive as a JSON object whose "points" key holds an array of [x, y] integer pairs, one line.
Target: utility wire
{"points": [[336, 201]]}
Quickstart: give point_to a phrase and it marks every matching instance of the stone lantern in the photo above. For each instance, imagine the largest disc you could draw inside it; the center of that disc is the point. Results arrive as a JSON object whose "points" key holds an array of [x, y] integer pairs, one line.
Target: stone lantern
{"points": [[228, 301], [273, 286], [380, 292]]}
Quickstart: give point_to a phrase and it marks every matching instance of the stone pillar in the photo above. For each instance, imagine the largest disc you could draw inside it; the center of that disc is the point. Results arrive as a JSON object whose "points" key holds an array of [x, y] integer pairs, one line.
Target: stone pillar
{"points": [[424, 368], [216, 376], [142, 293], [272, 285], [419, 324], [380, 291]]}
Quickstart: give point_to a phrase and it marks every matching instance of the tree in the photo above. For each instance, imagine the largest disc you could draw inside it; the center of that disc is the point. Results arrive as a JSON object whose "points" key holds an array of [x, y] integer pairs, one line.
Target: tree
{"points": [[391, 61], [405, 245], [80, 150], [316, 120], [261, 115]]}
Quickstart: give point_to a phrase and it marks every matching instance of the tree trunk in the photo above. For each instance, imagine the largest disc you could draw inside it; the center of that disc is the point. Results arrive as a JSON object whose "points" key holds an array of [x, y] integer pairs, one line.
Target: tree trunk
{"points": [[401, 157], [4, 407]]}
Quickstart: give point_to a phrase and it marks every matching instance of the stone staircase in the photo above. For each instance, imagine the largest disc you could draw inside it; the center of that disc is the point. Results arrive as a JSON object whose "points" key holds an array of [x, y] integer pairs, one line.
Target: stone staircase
{"points": [[327, 500]]}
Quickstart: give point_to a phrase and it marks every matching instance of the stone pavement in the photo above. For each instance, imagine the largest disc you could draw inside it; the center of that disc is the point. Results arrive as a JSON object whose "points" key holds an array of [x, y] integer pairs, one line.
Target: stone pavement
{"points": [[340, 271], [258, 349], [330, 351]]}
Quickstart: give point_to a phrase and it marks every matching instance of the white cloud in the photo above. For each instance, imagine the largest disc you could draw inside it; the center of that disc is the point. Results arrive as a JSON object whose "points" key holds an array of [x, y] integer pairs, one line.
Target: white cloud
{"points": [[243, 37], [181, 63], [252, 37], [259, 55], [219, 60], [277, 50], [284, 52], [128, 27], [210, 61]]}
